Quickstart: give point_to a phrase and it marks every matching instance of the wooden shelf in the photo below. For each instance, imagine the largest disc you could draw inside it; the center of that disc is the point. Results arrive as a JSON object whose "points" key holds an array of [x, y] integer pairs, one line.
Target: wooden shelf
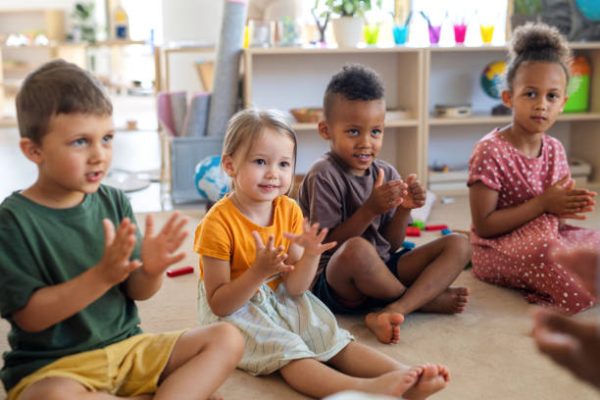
{"points": [[401, 123], [472, 120]]}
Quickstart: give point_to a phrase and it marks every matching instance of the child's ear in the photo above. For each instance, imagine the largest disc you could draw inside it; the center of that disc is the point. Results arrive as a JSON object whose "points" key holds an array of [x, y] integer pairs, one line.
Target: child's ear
{"points": [[507, 98], [228, 167], [324, 130], [31, 150]]}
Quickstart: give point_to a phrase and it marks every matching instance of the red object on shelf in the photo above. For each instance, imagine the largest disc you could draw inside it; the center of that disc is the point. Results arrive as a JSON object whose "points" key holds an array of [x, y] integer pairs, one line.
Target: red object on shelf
{"points": [[172, 273], [413, 231], [436, 227]]}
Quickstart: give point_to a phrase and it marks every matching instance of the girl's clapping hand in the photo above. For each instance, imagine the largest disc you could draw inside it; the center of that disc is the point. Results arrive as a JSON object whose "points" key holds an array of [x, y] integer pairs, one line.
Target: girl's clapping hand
{"points": [[270, 260], [311, 239]]}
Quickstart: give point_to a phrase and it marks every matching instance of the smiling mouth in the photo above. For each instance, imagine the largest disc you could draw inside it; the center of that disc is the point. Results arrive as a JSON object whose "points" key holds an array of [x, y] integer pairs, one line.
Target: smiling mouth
{"points": [[363, 157]]}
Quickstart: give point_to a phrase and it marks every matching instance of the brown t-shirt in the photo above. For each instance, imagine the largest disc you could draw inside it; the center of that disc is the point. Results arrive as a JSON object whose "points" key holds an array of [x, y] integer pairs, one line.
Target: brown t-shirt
{"points": [[330, 194]]}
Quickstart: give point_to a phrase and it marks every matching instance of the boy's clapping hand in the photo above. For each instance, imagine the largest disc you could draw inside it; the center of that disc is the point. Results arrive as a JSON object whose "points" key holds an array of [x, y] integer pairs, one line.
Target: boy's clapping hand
{"points": [[416, 193], [158, 250], [115, 265], [386, 196]]}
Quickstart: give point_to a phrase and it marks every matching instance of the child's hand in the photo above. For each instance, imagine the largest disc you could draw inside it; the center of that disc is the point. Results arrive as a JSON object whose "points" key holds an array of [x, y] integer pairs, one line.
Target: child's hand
{"points": [[311, 239], [565, 201], [386, 196], [157, 250], [269, 260], [416, 193], [115, 265]]}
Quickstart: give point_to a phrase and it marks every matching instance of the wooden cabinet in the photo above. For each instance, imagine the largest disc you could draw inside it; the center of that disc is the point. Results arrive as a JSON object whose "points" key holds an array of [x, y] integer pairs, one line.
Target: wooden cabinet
{"points": [[416, 79]]}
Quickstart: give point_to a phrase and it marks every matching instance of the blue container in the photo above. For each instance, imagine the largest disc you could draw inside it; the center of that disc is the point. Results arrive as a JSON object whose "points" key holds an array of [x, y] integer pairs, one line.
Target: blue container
{"points": [[400, 34]]}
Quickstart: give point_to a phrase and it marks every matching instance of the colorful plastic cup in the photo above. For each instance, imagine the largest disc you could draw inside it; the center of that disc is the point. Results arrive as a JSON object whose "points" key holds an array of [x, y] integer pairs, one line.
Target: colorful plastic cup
{"points": [[460, 32], [371, 33], [400, 34], [487, 33], [434, 33]]}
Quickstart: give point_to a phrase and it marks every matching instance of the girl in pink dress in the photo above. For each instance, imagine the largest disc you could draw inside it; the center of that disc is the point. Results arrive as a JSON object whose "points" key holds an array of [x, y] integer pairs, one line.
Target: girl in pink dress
{"points": [[520, 186]]}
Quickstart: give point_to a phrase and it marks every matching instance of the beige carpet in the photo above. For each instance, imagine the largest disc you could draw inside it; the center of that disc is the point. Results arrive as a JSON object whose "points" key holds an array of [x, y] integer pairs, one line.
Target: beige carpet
{"points": [[488, 349]]}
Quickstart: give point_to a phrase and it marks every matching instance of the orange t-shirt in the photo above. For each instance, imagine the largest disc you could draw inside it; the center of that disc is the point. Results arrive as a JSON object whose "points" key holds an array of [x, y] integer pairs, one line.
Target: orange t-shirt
{"points": [[226, 234]]}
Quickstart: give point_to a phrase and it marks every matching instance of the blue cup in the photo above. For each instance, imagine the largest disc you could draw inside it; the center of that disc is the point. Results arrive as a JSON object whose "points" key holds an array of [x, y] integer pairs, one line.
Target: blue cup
{"points": [[400, 34]]}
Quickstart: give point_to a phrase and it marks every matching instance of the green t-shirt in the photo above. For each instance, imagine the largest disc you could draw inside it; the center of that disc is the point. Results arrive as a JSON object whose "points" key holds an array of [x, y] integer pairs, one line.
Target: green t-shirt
{"points": [[41, 246]]}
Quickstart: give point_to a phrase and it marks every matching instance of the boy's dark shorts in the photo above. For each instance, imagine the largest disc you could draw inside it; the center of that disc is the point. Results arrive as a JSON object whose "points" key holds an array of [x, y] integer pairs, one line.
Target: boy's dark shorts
{"points": [[322, 290]]}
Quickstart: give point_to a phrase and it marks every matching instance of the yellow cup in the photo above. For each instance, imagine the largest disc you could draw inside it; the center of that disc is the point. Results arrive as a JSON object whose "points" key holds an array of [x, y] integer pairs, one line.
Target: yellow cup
{"points": [[487, 33]]}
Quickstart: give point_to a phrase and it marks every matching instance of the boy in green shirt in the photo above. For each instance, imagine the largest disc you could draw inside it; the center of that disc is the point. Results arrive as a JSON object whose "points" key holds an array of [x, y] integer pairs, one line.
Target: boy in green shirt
{"points": [[67, 288]]}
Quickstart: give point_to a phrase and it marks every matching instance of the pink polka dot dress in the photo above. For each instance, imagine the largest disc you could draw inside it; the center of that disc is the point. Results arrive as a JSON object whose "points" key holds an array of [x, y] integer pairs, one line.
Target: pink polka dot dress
{"points": [[521, 259]]}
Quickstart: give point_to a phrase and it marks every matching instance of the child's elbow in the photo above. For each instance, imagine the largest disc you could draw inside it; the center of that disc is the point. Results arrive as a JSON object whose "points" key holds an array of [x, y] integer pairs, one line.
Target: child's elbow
{"points": [[28, 325], [483, 231], [218, 309]]}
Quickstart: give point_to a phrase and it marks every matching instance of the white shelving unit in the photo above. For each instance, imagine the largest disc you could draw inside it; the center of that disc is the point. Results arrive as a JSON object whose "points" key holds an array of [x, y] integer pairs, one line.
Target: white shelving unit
{"points": [[453, 75], [416, 79], [285, 78]]}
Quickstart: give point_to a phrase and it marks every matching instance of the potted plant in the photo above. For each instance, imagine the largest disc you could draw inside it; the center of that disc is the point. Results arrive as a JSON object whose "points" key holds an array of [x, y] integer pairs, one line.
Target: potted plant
{"points": [[348, 26]]}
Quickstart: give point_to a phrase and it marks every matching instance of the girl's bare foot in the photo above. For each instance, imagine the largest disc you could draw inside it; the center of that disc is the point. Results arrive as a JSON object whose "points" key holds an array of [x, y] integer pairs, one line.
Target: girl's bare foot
{"points": [[450, 301], [394, 383], [434, 378], [385, 326]]}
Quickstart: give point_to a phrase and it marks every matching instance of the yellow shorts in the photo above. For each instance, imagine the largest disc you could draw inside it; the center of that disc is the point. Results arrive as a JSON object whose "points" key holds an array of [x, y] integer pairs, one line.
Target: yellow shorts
{"points": [[128, 368]]}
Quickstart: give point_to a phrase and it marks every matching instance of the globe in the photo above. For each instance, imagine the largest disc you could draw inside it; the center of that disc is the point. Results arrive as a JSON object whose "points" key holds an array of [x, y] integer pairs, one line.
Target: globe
{"points": [[492, 78], [589, 9], [210, 180]]}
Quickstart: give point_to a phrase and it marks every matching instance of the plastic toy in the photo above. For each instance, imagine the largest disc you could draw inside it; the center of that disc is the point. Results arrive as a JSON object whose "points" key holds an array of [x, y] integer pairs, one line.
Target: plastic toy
{"points": [[413, 231], [172, 273], [440, 227], [408, 245], [446, 231], [417, 223]]}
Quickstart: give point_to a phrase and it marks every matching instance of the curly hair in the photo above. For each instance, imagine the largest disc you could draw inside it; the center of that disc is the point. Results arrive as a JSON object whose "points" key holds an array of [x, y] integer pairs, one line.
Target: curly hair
{"points": [[537, 42], [353, 82]]}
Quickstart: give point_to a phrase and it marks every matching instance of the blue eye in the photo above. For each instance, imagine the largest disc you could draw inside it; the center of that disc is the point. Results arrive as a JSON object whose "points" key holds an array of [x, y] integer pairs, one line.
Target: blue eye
{"points": [[79, 142], [107, 139]]}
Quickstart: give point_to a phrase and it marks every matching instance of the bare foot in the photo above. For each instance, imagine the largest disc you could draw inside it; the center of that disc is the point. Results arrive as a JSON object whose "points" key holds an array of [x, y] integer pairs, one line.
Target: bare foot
{"points": [[450, 301], [434, 378], [394, 383], [385, 325]]}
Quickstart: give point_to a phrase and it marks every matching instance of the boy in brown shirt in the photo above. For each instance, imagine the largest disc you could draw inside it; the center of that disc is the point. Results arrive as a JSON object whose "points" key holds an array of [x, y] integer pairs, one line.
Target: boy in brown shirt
{"points": [[366, 206]]}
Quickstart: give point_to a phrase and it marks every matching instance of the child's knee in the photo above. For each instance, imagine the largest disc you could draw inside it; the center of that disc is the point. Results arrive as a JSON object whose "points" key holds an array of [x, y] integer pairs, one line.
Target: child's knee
{"points": [[354, 251], [227, 336], [53, 389], [459, 244]]}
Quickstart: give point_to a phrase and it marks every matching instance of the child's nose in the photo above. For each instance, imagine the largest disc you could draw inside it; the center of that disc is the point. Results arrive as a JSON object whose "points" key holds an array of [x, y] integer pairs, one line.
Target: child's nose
{"points": [[98, 153], [542, 104]]}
